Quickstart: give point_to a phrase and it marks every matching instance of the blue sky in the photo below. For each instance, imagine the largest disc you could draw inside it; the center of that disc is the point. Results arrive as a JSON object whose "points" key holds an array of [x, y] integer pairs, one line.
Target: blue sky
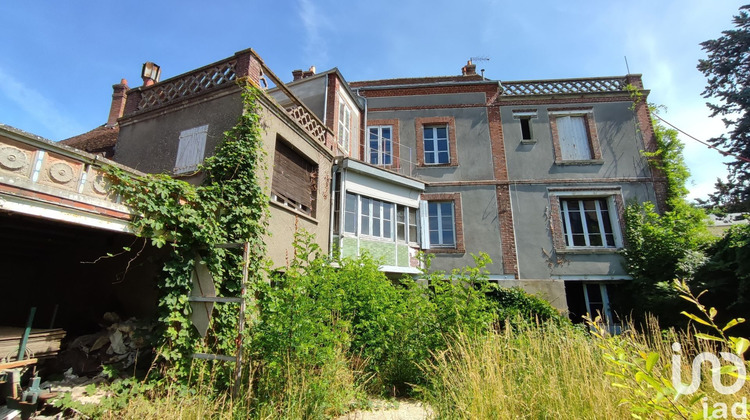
{"points": [[59, 59]]}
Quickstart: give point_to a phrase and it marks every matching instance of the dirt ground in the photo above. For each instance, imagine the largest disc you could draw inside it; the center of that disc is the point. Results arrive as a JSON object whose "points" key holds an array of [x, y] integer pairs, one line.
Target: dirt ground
{"points": [[391, 410]]}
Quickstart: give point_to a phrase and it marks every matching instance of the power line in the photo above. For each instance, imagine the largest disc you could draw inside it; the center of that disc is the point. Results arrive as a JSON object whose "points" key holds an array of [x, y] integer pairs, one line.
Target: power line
{"points": [[710, 146]]}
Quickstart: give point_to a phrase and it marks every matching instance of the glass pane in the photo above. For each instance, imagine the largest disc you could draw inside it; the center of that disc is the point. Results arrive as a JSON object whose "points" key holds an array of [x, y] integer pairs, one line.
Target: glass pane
{"points": [[579, 239], [434, 238], [350, 223], [443, 157], [387, 211], [365, 225], [442, 132], [351, 202], [576, 227], [387, 229], [373, 133], [432, 209], [442, 145], [429, 146], [446, 208], [400, 232], [428, 132], [386, 132], [376, 227]]}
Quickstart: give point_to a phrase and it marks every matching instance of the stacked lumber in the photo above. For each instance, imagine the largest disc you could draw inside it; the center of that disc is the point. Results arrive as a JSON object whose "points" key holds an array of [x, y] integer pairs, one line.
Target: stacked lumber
{"points": [[41, 342]]}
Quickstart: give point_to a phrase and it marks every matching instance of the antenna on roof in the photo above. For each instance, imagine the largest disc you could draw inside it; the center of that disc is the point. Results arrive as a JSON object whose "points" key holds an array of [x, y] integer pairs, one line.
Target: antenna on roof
{"points": [[626, 64], [480, 58]]}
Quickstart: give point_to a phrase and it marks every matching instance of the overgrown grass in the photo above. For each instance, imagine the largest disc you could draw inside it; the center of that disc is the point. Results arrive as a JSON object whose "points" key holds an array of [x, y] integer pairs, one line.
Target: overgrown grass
{"points": [[546, 371]]}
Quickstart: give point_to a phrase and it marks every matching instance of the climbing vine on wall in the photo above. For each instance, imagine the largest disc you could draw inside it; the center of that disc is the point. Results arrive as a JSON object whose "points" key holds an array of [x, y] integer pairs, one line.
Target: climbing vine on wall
{"points": [[229, 206]]}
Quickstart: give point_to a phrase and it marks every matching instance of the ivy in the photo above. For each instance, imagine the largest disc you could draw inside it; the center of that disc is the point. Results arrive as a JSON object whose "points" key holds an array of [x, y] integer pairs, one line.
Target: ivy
{"points": [[229, 206]]}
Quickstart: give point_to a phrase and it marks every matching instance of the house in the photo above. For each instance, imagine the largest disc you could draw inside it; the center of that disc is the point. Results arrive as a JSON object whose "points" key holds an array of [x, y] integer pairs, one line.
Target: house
{"points": [[534, 173]]}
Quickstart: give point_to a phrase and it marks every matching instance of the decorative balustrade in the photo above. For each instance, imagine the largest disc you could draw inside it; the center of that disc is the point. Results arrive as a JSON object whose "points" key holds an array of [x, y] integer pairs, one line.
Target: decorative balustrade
{"points": [[189, 84], [565, 86], [307, 120]]}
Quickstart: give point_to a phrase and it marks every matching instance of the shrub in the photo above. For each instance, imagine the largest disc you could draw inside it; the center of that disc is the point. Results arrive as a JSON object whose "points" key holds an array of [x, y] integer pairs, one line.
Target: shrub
{"points": [[513, 303]]}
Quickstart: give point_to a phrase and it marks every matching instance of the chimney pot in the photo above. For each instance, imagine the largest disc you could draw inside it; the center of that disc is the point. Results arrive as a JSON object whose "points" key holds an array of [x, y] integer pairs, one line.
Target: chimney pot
{"points": [[297, 74]]}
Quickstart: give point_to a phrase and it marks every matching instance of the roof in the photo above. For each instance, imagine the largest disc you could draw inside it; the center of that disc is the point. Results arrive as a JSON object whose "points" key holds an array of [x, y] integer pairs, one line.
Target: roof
{"points": [[98, 139]]}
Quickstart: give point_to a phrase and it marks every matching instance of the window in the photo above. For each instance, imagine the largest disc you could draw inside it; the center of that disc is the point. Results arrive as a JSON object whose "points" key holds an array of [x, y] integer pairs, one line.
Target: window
{"points": [[191, 149], [376, 218], [587, 223], [526, 128], [294, 182], [524, 117], [574, 142], [574, 136], [370, 217], [345, 124], [441, 224], [380, 147], [436, 145], [436, 141]]}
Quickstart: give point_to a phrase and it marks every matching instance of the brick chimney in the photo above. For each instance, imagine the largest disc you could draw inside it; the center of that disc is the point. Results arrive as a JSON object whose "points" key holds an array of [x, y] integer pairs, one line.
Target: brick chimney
{"points": [[118, 102], [300, 74], [470, 69]]}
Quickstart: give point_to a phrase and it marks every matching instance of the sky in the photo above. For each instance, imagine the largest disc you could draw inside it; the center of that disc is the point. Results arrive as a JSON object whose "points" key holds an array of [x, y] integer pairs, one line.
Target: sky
{"points": [[59, 59]]}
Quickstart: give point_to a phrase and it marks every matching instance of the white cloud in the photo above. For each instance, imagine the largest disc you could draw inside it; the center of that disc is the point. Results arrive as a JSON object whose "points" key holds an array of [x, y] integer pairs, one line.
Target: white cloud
{"points": [[38, 107], [314, 22]]}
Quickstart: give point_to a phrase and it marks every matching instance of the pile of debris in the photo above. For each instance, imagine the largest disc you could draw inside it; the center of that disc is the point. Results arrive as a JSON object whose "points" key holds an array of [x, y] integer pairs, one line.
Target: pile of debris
{"points": [[119, 345]]}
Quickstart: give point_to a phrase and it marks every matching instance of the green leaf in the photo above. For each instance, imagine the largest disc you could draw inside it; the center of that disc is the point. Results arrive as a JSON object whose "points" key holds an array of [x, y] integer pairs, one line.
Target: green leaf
{"points": [[709, 337], [732, 323], [740, 345], [651, 360], [695, 318]]}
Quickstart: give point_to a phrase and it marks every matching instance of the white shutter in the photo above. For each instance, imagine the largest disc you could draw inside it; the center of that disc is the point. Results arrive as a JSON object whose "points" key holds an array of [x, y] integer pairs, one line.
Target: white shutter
{"points": [[424, 227], [191, 149], [574, 141]]}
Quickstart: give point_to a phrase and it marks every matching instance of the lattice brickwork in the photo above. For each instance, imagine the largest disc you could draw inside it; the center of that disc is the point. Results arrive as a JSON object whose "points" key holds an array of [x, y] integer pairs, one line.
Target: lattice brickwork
{"points": [[310, 124], [569, 86], [193, 83]]}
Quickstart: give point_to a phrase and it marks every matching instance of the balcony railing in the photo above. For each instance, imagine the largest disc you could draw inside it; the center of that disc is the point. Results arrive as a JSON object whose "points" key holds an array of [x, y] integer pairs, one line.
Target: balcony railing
{"points": [[565, 86], [222, 74]]}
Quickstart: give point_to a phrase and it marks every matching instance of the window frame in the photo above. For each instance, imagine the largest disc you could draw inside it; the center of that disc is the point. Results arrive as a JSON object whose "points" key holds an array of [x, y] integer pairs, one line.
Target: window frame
{"points": [[587, 114], [450, 125], [286, 199], [526, 115], [615, 209], [427, 246], [587, 231], [366, 214], [345, 125], [380, 150], [395, 143]]}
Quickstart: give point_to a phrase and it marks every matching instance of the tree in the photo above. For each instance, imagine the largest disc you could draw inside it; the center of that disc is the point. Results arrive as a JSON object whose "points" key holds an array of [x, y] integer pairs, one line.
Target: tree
{"points": [[727, 68]]}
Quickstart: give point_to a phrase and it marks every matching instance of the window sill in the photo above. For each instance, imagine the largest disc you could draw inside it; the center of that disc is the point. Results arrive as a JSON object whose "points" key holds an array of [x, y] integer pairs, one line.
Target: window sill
{"points": [[587, 250], [528, 141], [437, 165], [579, 162], [293, 211], [445, 251]]}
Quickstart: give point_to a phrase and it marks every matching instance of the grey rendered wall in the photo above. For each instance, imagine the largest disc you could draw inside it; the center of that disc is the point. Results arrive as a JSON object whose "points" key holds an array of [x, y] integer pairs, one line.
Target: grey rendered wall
{"points": [[310, 91], [620, 142], [149, 143], [479, 203]]}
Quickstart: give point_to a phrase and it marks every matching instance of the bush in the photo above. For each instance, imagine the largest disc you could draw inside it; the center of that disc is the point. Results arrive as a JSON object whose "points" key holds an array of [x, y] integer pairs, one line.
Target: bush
{"points": [[514, 304]]}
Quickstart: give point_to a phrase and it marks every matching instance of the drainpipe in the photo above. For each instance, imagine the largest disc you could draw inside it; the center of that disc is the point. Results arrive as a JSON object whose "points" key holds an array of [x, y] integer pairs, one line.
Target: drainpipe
{"points": [[325, 101], [334, 169]]}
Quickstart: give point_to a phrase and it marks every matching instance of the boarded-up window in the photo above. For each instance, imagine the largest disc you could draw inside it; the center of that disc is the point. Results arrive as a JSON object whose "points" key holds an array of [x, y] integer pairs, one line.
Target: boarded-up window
{"points": [[574, 140], [191, 149], [294, 182]]}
